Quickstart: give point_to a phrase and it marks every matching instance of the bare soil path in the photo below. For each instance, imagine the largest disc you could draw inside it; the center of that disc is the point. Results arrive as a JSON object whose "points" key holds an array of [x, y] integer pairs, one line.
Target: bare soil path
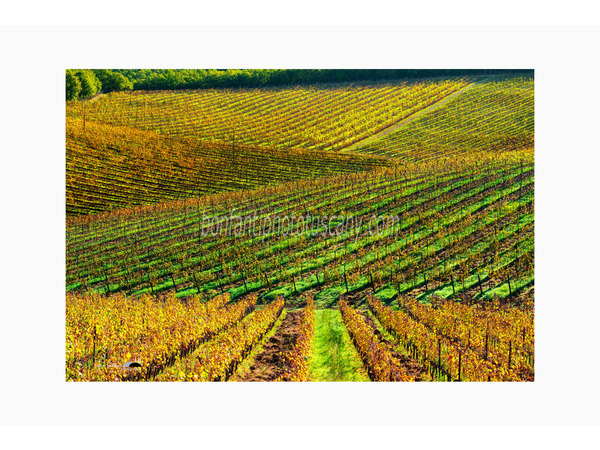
{"points": [[96, 97], [269, 363]]}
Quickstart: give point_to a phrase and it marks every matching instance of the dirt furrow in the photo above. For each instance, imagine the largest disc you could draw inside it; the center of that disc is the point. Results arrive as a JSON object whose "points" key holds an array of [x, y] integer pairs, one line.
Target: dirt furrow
{"points": [[269, 363]]}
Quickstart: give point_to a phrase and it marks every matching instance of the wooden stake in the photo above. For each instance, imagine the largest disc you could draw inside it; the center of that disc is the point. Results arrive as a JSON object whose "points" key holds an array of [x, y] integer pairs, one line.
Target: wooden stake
{"points": [[346, 282], [94, 350], [245, 285], [487, 334], [197, 284]]}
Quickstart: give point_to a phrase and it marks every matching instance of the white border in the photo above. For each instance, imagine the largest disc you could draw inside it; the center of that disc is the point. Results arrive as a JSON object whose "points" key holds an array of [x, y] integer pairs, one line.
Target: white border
{"points": [[239, 13], [32, 313]]}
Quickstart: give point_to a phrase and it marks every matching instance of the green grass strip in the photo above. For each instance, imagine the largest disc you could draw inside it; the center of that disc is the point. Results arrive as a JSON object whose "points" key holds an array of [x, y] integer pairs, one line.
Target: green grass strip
{"points": [[334, 358]]}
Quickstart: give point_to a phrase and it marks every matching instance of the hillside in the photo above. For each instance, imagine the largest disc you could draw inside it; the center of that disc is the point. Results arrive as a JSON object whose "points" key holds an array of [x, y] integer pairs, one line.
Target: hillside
{"points": [[455, 226], [128, 149], [112, 167], [324, 117], [360, 231], [496, 115]]}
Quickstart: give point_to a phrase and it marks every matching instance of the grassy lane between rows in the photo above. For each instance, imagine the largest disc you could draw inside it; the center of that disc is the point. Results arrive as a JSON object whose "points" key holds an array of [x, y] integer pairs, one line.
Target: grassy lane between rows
{"points": [[334, 358]]}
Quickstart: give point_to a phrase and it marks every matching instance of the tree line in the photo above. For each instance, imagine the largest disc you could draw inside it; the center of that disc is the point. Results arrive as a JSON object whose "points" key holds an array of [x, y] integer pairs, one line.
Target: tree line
{"points": [[82, 84], [86, 83]]}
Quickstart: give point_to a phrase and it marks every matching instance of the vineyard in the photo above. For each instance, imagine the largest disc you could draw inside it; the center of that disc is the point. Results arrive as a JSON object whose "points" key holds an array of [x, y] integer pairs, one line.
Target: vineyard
{"points": [[215, 235], [111, 167], [323, 117], [128, 149], [496, 115]]}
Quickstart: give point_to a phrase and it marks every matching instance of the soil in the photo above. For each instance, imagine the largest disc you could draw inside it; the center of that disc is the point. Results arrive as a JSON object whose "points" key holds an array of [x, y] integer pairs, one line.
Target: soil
{"points": [[269, 364], [356, 298], [410, 365], [96, 97]]}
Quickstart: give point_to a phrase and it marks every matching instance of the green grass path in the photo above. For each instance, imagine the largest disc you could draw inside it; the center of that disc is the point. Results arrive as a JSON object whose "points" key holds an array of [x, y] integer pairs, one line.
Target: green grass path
{"points": [[334, 357]]}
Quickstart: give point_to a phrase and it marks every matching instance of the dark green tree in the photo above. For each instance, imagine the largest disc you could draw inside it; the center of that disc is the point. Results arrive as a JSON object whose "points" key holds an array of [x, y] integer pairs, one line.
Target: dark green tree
{"points": [[113, 81], [90, 84], [73, 85]]}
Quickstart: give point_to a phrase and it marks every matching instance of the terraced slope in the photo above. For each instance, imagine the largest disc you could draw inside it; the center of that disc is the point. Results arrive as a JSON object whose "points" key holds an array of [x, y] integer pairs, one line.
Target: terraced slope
{"points": [[462, 230], [495, 115]]}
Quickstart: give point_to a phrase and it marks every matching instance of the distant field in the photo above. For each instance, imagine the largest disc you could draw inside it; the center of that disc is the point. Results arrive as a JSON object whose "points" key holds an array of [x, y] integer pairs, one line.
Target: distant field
{"points": [[496, 115], [324, 117], [127, 149], [112, 167]]}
